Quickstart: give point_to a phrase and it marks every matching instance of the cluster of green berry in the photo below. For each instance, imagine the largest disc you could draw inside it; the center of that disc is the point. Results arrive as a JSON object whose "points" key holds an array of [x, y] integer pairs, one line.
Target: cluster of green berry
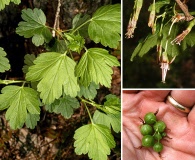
{"points": [[153, 131]]}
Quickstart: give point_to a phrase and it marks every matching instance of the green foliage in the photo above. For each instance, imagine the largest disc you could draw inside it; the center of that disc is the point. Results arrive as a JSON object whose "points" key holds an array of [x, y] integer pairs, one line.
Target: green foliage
{"points": [[76, 43], [4, 62], [113, 115], [65, 106], [88, 92], [31, 120], [94, 139], [19, 101], [28, 61], [95, 65], [55, 72], [6, 2], [67, 74], [159, 5], [34, 26], [145, 46], [77, 24], [105, 26]]}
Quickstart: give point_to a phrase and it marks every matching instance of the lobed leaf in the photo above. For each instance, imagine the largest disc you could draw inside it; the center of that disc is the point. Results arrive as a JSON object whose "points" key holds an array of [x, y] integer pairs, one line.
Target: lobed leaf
{"points": [[88, 92], [145, 46], [4, 62], [55, 72], [6, 2], [31, 120], [28, 61], [172, 49], [81, 22], [65, 106], [19, 101], [76, 42], [95, 65], [34, 26], [94, 139], [105, 25], [113, 115]]}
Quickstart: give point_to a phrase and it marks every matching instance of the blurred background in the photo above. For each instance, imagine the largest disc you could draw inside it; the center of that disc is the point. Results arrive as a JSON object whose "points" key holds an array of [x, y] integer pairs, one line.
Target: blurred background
{"points": [[145, 72]]}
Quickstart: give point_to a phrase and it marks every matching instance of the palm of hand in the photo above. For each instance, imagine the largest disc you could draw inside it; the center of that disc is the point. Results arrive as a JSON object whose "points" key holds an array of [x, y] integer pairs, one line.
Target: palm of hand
{"points": [[180, 128]]}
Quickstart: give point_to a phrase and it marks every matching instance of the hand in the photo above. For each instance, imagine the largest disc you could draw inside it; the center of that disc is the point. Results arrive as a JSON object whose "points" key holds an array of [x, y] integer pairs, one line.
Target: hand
{"points": [[180, 126]]}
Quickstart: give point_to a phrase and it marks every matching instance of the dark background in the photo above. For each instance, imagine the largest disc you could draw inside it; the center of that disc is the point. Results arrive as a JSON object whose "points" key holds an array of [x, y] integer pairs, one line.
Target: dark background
{"points": [[145, 72]]}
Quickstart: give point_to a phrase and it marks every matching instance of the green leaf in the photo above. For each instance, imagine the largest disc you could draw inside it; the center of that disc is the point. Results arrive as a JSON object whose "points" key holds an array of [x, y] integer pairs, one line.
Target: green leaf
{"points": [[34, 26], [65, 106], [95, 65], [31, 120], [38, 39], [113, 115], [172, 49], [81, 23], [3, 3], [94, 139], [6, 2], [4, 62], [145, 46], [28, 60], [159, 5], [19, 100], [105, 25], [55, 72], [189, 40], [56, 45], [76, 42], [16, 1], [88, 92]]}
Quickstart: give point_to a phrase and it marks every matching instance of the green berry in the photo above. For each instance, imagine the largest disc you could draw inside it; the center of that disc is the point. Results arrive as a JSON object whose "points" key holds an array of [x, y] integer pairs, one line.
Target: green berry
{"points": [[158, 147], [150, 118], [147, 141], [157, 136], [146, 130], [159, 126]]}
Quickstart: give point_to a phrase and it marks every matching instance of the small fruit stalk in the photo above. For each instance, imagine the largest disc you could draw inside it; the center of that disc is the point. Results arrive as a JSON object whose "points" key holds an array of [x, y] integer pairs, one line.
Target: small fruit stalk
{"points": [[153, 131], [133, 18]]}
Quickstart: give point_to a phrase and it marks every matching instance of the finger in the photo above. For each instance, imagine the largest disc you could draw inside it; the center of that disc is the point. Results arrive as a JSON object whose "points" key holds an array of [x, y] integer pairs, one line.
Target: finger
{"points": [[191, 116], [156, 95], [183, 97]]}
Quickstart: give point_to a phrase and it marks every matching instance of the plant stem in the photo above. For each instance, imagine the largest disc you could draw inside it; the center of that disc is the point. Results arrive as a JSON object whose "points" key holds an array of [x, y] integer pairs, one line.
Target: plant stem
{"points": [[6, 82], [56, 22], [185, 10], [88, 112], [100, 107]]}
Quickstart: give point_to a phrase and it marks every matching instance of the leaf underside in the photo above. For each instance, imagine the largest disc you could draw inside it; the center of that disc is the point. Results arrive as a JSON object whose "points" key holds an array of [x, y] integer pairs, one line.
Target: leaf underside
{"points": [[94, 139], [19, 101], [95, 66], [55, 72]]}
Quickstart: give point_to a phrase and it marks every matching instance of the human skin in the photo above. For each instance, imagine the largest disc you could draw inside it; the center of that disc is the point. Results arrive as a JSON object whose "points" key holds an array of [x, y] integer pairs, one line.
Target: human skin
{"points": [[180, 126]]}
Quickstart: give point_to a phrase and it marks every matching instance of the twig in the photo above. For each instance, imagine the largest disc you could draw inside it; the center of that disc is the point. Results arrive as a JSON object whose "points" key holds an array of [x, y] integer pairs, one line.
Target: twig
{"points": [[184, 8], [56, 22]]}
